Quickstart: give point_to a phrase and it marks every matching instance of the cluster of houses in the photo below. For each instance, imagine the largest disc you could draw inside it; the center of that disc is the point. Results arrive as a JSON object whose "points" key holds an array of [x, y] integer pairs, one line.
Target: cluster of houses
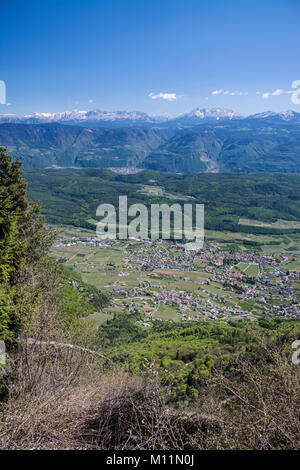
{"points": [[84, 241], [188, 305], [271, 292]]}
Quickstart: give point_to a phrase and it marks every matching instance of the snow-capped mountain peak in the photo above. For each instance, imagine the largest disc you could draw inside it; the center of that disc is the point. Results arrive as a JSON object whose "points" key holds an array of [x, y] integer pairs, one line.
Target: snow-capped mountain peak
{"points": [[283, 115], [97, 117], [78, 116], [214, 113]]}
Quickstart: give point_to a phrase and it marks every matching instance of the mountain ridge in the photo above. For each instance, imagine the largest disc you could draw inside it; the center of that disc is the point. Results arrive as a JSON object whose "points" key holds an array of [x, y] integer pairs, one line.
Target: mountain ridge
{"points": [[98, 117], [268, 142]]}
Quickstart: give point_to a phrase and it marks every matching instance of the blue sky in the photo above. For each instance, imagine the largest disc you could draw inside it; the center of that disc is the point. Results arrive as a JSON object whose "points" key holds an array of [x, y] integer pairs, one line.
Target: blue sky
{"points": [[157, 56]]}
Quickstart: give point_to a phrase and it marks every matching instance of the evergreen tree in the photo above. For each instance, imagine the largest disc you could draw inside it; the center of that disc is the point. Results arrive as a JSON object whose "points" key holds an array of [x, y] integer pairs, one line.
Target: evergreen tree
{"points": [[13, 204]]}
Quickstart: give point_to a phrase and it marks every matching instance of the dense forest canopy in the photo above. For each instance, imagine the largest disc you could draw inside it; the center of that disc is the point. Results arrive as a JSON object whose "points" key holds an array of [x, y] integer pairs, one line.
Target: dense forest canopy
{"points": [[71, 196]]}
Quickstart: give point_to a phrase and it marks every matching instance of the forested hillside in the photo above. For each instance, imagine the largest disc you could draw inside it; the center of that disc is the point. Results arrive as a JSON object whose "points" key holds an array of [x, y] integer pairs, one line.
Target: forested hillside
{"points": [[235, 146], [46, 145], [72, 196], [240, 145]]}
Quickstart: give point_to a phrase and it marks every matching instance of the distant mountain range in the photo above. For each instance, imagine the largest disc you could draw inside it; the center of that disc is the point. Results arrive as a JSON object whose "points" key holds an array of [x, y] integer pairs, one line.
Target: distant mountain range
{"points": [[98, 118], [85, 118], [204, 140]]}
